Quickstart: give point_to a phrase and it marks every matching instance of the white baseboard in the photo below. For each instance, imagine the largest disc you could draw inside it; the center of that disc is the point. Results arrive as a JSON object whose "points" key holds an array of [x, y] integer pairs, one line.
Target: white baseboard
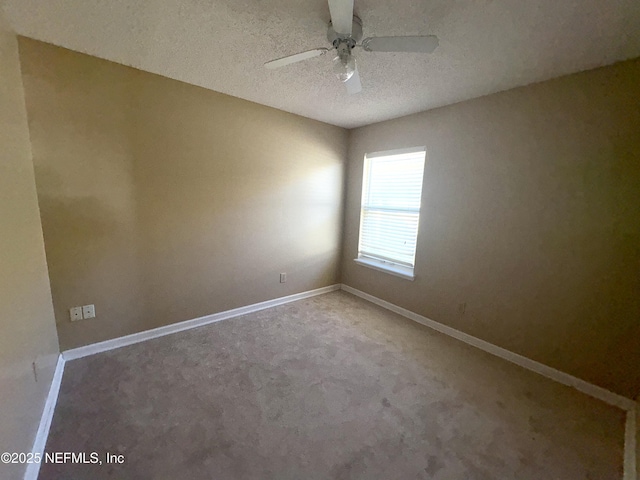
{"points": [[31, 473], [94, 348], [630, 445], [632, 408], [544, 370], [33, 469]]}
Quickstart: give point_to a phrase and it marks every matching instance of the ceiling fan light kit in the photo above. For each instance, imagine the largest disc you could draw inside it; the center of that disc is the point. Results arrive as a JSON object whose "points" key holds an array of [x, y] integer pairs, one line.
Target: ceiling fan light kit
{"points": [[344, 65], [344, 33]]}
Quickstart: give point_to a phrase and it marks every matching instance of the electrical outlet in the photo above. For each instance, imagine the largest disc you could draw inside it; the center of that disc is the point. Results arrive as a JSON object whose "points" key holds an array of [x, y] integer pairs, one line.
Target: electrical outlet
{"points": [[88, 311], [75, 313], [283, 278]]}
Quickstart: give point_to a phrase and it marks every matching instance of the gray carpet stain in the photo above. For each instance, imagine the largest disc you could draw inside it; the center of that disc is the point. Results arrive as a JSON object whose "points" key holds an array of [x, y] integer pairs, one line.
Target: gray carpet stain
{"points": [[323, 388], [433, 465]]}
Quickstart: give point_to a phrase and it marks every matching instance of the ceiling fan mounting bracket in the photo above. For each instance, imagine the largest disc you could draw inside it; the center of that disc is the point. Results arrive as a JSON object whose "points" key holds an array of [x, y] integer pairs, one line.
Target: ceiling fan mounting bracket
{"points": [[356, 34]]}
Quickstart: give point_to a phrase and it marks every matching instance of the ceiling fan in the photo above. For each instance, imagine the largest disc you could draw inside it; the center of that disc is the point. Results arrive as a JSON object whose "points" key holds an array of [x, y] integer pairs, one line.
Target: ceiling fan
{"points": [[344, 33]]}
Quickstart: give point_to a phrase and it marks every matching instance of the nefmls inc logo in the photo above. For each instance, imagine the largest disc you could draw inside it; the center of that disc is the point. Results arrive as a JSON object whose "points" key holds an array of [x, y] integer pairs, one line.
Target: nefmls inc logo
{"points": [[72, 457]]}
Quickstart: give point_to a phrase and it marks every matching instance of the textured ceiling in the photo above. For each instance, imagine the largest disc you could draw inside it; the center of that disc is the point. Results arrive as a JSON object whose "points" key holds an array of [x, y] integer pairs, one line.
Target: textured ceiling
{"points": [[485, 46]]}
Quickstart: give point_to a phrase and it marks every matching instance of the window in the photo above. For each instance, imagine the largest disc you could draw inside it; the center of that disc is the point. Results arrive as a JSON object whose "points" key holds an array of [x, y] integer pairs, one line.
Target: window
{"points": [[391, 195]]}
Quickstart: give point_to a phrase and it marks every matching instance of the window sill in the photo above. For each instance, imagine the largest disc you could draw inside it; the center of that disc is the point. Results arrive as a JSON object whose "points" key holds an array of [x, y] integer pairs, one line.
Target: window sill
{"points": [[397, 270]]}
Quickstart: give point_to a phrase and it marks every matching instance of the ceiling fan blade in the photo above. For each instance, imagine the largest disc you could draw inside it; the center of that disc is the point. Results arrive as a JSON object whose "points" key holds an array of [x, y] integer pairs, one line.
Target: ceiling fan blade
{"points": [[298, 57], [353, 84], [341, 16], [419, 44]]}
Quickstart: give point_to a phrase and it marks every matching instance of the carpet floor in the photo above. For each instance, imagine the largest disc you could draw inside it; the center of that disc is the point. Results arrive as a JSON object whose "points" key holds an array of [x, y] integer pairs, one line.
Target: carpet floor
{"points": [[331, 387]]}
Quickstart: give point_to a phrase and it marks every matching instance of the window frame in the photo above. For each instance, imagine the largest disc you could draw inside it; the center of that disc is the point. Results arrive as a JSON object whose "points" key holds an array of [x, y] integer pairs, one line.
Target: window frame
{"points": [[396, 268]]}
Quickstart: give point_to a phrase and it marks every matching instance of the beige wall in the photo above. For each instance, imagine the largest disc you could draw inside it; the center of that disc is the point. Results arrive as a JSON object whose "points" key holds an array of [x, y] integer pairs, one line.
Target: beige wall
{"points": [[163, 202], [28, 341], [530, 217]]}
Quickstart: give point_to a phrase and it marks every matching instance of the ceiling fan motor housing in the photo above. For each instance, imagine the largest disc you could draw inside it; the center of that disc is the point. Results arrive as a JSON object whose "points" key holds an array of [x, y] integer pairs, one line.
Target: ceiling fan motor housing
{"points": [[351, 40]]}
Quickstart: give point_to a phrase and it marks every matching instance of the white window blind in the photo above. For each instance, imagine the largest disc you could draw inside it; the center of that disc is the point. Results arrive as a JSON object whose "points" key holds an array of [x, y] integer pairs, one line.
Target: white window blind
{"points": [[391, 196]]}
